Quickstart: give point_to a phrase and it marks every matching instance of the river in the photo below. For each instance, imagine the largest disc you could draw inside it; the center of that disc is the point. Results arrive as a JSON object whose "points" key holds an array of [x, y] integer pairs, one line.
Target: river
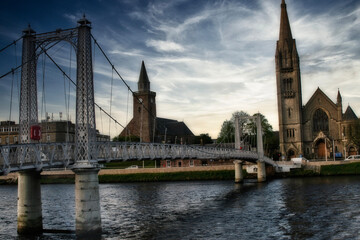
{"points": [[300, 208]]}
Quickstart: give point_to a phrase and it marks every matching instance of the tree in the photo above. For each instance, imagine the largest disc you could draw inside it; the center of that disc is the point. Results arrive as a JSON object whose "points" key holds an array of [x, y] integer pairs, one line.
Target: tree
{"points": [[203, 138], [265, 125], [227, 132]]}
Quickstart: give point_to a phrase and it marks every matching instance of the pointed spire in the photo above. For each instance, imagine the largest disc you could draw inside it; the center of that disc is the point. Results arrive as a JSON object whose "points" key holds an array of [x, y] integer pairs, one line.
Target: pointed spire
{"points": [[285, 30], [339, 98], [143, 83]]}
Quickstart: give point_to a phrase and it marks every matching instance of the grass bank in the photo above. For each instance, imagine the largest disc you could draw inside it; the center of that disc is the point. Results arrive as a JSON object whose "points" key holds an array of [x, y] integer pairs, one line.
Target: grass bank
{"points": [[343, 169]]}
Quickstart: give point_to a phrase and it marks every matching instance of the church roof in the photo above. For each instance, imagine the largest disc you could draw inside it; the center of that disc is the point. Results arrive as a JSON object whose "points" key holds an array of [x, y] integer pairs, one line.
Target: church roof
{"points": [[349, 114], [173, 127], [318, 93]]}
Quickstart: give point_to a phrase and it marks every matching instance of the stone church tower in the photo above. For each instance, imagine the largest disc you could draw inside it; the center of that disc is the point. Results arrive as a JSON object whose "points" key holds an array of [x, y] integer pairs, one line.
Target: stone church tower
{"points": [[288, 84], [144, 110]]}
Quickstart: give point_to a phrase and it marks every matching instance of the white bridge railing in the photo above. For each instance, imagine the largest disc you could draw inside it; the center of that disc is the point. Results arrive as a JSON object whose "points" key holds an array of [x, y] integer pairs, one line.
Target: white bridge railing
{"points": [[51, 155]]}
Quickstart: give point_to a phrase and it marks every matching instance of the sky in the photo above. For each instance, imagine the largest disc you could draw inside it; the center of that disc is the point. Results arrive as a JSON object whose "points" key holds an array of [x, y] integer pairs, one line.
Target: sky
{"points": [[205, 59]]}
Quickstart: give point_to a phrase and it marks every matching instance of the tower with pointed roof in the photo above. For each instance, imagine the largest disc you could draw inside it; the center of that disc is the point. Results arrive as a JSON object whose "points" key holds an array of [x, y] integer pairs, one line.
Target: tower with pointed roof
{"points": [[288, 84], [146, 125], [144, 110]]}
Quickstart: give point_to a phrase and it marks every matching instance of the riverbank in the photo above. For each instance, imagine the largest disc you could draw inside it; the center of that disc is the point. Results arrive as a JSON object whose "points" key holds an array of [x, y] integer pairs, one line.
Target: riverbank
{"points": [[225, 172]]}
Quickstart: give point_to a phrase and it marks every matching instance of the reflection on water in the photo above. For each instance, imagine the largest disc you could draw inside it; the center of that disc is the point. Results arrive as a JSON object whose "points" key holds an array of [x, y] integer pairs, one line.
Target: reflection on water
{"points": [[311, 208]]}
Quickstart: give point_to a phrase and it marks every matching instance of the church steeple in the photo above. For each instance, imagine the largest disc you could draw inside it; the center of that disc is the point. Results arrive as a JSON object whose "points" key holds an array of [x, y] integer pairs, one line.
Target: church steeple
{"points": [[288, 82], [143, 83], [285, 30], [286, 52]]}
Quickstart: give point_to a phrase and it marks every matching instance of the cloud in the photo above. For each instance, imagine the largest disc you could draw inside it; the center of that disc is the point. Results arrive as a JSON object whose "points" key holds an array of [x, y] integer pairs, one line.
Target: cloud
{"points": [[164, 46]]}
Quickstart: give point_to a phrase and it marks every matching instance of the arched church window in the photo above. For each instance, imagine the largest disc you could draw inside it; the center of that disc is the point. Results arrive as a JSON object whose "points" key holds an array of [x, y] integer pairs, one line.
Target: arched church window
{"points": [[320, 121]]}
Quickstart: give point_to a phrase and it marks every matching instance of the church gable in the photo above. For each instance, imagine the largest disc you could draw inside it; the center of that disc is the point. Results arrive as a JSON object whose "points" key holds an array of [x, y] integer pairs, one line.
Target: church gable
{"points": [[320, 100], [349, 115]]}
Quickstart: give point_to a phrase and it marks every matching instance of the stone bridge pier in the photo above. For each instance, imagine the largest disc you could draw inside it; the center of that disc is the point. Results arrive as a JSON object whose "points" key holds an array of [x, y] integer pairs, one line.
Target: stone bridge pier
{"points": [[29, 202], [87, 203], [239, 175], [261, 171]]}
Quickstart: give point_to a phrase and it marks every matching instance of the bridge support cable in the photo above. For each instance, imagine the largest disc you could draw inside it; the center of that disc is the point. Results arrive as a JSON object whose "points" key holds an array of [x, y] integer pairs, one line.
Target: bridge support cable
{"points": [[11, 100], [32, 58], [72, 81], [121, 78], [10, 44], [111, 91]]}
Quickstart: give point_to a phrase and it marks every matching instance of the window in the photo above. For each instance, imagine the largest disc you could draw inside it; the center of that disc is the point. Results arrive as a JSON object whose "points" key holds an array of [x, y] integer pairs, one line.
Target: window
{"points": [[288, 88], [15, 139], [344, 131], [7, 140], [290, 112], [48, 138], [290, 133], [320, 121], [168, 163], [191, 162]]}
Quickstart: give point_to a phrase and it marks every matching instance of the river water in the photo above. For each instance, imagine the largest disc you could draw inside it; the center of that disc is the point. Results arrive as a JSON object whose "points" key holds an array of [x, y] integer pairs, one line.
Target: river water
{"points": [[301, 208]]}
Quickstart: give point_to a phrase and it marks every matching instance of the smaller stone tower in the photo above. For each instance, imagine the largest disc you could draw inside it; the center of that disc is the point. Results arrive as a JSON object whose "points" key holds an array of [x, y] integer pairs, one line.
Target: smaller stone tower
{"points": [[144, 110]]}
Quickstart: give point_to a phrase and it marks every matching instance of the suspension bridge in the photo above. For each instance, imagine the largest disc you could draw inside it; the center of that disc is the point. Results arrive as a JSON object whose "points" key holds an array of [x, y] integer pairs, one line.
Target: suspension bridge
{"points": [[29, 157]]}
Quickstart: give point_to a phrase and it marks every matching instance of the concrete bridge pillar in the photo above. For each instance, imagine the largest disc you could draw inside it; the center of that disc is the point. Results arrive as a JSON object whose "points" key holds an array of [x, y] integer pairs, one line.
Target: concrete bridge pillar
{"points": [[239, 176], [87, 202], [261, 172], [29, 202]]}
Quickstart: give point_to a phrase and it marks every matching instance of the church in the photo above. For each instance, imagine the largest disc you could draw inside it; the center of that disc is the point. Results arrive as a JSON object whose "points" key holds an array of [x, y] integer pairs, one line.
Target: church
{"points": [[146, 125], [320, 128]]}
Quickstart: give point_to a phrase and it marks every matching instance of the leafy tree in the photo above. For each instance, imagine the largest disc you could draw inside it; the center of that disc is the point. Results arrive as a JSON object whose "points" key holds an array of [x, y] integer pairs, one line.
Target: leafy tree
{"points": [[203, 138], [227, 132], [265, 125]]}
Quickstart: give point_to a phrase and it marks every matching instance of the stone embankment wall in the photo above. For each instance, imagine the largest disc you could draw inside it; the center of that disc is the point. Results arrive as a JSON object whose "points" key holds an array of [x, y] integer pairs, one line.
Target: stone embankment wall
{"points": [[64, 173]]}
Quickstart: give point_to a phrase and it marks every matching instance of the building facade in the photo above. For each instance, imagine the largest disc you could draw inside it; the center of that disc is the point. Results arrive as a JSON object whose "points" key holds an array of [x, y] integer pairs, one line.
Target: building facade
{"points": [[51, 131], [318, 129], [146, 125]]}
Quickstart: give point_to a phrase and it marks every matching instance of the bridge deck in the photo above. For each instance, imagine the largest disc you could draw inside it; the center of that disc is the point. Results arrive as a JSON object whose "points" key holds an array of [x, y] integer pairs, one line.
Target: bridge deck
{"points": [[57, 155]]}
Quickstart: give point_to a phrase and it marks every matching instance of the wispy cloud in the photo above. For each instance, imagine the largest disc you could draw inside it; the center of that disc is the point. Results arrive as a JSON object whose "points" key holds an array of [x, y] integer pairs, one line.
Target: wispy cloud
{"points": [[164, 46], [207, 59]]}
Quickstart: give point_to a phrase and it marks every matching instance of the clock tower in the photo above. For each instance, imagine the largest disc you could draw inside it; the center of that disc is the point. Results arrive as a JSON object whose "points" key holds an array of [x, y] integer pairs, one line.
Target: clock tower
{"points": [[144, 110]]}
